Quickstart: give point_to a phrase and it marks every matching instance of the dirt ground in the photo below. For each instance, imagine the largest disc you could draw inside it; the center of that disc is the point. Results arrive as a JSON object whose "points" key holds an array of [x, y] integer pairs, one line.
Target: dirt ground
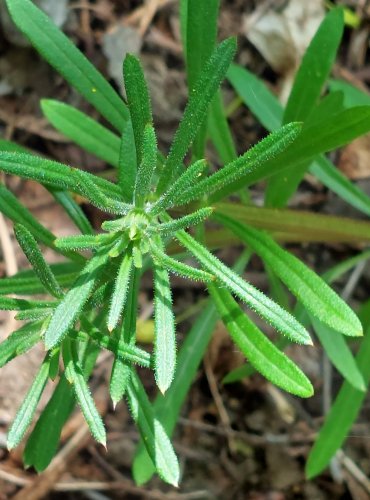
{"points": [[246, 440]]}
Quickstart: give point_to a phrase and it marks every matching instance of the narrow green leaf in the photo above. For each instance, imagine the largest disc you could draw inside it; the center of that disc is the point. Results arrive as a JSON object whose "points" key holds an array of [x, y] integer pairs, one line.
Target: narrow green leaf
{"points": [[256, 300], [34, 314], [42, 444], [88, 186], [167, 408], [54, 174], [280, 188], [238, 373], [121, 369], [11, 146], [37, 261], [54, 363], [127, 163], [64, 56], [120, 291], [123, 351], [202, 94], [307, 286], [341, 416], [27, 283], [300, 225], [255, 94], [201, 27], [184, 222], [83, 130], [156, 441], [333, 178], [164, 330], [255, 158], [70, 307], [353, 96], [84, 242], [315, 67], [138, 100], [147, 165], [265, 106], [183, 23], [28, 407], [179, 268], [175, 192], [19, 342], [260, 352], [73, 210], [10, 304], [15, 211], [339, 353], [75, 376], [219, 131]]}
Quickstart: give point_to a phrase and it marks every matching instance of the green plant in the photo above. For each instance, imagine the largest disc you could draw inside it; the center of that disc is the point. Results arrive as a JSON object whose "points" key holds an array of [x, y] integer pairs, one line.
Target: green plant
{"points": [[94, 301]]}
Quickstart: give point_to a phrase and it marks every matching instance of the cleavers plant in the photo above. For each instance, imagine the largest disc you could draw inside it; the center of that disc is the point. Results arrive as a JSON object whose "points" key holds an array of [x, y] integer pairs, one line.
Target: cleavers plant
{"points": [[94, 293]]}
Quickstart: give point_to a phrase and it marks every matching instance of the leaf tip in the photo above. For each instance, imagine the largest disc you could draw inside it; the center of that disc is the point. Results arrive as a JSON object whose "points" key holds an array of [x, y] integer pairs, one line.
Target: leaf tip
{"points": [[9, 445], [103, 442], [163, 388]]}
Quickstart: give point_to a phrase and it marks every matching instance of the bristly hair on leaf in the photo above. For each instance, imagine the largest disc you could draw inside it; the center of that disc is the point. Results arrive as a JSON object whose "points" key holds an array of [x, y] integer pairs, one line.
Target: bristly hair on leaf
{"points": [[151, 199]]}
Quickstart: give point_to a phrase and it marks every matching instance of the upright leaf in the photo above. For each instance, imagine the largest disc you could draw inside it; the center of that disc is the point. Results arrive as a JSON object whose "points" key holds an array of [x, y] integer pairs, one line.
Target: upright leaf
{"points": [[64, 56], [175, 192], [120, 291], [138, 100], [315, 67], [127, 163], [201, 28], [147, 165], [259, 99], [219, 130], [202, 94]]}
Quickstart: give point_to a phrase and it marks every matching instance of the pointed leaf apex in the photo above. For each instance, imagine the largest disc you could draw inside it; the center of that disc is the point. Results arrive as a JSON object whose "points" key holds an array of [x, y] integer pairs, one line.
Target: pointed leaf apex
{"points": [[163, 389]]}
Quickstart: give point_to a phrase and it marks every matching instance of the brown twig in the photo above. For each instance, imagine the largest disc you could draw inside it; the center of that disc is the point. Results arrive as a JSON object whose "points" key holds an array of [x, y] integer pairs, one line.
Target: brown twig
{"points": [[212, 382]]}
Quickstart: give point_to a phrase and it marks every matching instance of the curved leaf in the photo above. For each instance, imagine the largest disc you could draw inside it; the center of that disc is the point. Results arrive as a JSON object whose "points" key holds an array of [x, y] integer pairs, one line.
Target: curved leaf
{"points": [[306, 285], [261, 353], [64, 56]]}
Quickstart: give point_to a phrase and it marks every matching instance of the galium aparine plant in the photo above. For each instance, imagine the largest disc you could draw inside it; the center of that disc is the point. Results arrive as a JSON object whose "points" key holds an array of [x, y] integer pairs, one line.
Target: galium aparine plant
{"points": [[94, 293]]}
